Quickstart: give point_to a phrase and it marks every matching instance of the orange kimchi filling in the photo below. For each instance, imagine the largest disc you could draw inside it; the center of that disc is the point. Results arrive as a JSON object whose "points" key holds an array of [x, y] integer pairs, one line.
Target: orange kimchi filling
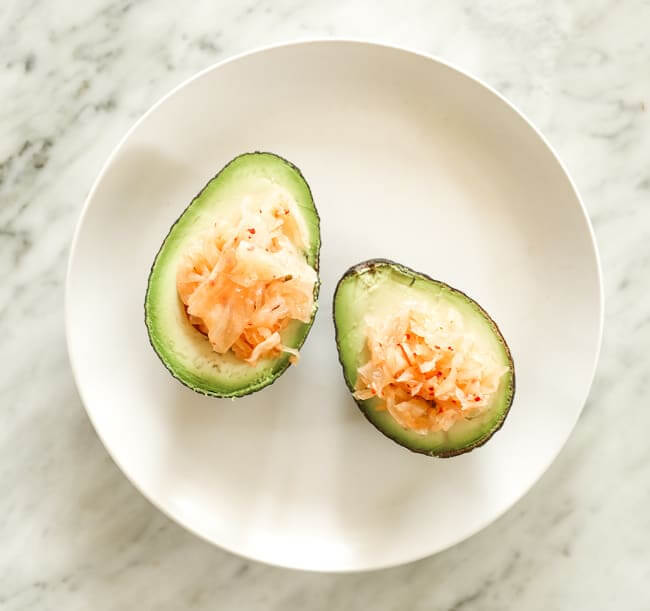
{"points": [[246, 278], [427, 370]]}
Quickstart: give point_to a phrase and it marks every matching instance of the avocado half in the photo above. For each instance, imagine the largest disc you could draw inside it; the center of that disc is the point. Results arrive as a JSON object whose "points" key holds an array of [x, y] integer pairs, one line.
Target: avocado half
{"points": [[185, 351], [379, 286]]}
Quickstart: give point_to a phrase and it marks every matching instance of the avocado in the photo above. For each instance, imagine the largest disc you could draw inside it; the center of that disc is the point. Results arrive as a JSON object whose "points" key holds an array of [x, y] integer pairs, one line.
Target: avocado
{"points": [[182, 348], [379, 287]]}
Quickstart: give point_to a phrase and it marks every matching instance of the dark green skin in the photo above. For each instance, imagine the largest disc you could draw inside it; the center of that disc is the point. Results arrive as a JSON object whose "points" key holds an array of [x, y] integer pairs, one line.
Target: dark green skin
{"points": [[370, 265], [248, 390]]}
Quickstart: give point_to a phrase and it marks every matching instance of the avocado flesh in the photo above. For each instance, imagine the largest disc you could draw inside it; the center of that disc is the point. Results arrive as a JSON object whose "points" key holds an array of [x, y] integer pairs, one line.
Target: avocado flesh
{"points": [[185, 351], [379, 287]]}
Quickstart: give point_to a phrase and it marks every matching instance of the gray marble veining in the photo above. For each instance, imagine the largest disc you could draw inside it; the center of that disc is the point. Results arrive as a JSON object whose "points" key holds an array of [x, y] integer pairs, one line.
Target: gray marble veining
{"points": [[74, 532]]}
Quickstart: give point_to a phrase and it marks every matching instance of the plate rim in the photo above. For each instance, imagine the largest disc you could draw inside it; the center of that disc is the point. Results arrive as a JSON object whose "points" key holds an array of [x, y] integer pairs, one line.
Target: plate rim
{"points": [[369, 42]]}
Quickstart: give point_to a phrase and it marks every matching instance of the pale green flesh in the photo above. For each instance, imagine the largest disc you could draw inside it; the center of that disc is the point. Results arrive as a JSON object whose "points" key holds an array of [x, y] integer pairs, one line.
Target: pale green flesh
{"points": [[384, 290], [183, 349]]}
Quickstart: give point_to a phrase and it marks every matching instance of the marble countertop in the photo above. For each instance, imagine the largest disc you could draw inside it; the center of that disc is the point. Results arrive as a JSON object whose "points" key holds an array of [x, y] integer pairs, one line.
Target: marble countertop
{"points": [[76, 535]]}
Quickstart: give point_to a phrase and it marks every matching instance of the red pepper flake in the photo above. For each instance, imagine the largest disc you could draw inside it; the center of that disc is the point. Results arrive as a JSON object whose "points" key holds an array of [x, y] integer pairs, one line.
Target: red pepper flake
{"points": [[477, 398], [437, 347], [450, 348], [286, 211], [251, 230], [408, 336]]}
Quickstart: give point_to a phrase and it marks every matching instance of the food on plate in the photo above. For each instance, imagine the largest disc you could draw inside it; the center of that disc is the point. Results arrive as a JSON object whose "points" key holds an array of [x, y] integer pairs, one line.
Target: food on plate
{"points": [[232, 291], [426, 364]]}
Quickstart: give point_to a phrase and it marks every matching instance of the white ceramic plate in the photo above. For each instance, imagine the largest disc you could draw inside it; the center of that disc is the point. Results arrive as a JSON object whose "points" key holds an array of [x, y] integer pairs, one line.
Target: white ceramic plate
{"points": [[409, 159]]}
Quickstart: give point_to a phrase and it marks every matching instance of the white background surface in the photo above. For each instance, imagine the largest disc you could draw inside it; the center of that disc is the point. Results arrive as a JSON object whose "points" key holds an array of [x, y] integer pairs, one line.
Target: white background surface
{"points": [[77, 535]]}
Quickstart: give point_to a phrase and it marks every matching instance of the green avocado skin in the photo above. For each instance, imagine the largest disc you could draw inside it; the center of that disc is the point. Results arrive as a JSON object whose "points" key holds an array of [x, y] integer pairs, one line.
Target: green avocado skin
{"points": [[364, 272], [286, 174]]}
